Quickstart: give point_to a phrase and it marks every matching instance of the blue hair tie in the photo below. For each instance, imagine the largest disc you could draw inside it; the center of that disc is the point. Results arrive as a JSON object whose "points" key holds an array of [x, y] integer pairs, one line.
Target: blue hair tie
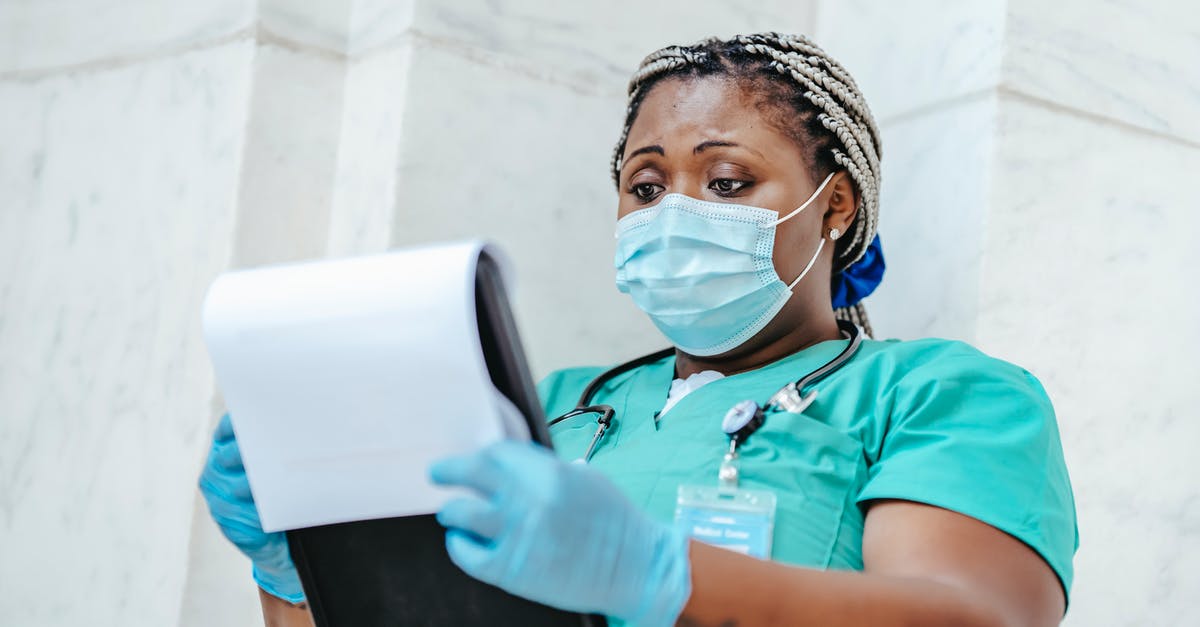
{"points": [[860, 279]]}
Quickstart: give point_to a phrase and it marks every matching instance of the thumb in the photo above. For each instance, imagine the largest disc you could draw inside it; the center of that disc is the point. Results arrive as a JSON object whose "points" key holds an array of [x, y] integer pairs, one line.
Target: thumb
{"points": [[472, 556]]}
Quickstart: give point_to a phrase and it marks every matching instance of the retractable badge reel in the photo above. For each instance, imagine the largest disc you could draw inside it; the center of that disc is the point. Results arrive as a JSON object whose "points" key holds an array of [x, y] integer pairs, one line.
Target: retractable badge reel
{"points": [[725, 515]]}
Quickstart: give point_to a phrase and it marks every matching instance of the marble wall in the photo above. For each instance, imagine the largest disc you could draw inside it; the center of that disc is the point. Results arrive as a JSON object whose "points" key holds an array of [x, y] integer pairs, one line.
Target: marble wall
{"points": [[1091, 232], [1037, 198], [1083, 283], [118, 180], [1034, 202]]}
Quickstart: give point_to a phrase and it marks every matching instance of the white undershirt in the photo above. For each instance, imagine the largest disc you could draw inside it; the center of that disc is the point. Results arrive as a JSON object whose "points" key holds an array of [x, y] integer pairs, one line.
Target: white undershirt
{"points": [[682, 387]]}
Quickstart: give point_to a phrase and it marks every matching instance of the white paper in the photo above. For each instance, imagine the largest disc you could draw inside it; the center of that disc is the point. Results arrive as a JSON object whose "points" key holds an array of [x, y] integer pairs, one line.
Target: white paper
{"points": [[345, 379], [512, 421]]}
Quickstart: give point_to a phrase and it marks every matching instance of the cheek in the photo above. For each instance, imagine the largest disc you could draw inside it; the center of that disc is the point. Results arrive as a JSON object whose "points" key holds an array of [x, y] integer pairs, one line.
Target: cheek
{"points": [[795, 242], [625, 206]]}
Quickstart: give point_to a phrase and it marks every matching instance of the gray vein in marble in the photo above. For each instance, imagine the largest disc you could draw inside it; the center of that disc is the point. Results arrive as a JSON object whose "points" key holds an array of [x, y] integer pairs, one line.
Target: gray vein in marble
{"points": [[935, 107], [583, 85], [1018, 94], [257, 32], [265, 36], [1098, 118], [121, 61]]}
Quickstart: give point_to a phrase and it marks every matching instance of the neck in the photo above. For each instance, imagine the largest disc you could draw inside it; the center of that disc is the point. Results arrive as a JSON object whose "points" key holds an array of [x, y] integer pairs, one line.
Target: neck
{"points": [[796, 339]]}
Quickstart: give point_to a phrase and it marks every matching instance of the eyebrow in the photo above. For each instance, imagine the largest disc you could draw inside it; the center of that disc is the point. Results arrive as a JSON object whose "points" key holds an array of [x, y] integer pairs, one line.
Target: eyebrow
{"points": [[701, 147], [645, 149], [712, 143]]}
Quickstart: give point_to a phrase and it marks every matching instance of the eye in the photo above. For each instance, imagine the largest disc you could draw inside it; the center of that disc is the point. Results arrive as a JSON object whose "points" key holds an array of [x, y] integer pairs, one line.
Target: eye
{"points": [[646, 191], [726, 187]]}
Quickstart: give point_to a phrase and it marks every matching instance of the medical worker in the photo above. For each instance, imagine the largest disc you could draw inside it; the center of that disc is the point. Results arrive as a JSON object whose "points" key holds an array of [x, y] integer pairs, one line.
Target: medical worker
{"points": [[776, 466]]}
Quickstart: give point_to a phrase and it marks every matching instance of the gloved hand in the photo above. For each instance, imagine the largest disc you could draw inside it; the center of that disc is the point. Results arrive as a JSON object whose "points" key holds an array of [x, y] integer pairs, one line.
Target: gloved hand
{"points": [[561, 534], [224, 486]]}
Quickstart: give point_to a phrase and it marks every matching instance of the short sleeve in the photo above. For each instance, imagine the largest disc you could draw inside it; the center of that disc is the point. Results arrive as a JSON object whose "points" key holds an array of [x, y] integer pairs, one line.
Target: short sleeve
{"points": [[978, 436]]}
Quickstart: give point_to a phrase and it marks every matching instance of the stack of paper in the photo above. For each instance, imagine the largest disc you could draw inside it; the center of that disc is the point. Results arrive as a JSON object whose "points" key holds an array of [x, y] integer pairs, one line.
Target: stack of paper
{"points": [[345, 379]]}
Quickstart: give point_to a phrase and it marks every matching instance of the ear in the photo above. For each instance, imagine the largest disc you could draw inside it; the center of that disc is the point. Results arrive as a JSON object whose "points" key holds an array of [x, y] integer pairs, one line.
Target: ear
{"points": [[843, 204]]}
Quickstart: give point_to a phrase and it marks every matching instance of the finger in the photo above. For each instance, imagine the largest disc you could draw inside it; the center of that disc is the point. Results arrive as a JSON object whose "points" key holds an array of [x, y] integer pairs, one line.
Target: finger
{"points": [[473, 515], [224, 431], [477, 471], [226, 492], [230, 486], [239, 488], [227, 456], [471, 555], [247, 534]]}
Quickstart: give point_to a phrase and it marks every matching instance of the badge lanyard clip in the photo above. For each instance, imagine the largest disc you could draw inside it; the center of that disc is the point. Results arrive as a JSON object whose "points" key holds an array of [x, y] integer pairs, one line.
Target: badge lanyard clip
{"points": [[727, 475], [742, 420], [725, 515]]}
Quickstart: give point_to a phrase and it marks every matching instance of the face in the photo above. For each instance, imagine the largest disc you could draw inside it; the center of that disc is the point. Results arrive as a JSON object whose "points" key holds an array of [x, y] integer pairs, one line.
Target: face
{"points": [[707, 139]]}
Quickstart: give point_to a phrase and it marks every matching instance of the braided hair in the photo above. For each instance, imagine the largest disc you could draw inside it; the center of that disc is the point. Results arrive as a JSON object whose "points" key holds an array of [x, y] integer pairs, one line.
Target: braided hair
{"points": [[803, 92]]}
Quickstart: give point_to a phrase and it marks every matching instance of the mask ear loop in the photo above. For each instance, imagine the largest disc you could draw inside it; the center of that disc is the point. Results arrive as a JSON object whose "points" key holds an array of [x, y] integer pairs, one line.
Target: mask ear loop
{"points": [[820, 244], [807, 202], [811, 262]]}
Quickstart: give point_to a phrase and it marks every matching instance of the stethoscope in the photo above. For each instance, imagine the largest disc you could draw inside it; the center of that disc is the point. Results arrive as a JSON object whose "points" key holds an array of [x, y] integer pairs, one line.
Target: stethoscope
{"points": [[743, 418]]}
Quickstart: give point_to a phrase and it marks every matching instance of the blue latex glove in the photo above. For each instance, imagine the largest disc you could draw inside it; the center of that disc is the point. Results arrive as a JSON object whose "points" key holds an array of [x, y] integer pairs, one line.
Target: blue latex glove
{"points": [[561, 534], [224, 486]]}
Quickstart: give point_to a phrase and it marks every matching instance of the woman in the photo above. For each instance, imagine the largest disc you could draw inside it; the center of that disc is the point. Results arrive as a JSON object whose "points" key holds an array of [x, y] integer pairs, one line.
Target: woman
{"points": [[922, 483]]}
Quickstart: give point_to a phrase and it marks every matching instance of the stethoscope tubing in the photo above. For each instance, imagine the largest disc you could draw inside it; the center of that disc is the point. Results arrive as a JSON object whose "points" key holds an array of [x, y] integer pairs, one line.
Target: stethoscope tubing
{"points": [[606, 413]]}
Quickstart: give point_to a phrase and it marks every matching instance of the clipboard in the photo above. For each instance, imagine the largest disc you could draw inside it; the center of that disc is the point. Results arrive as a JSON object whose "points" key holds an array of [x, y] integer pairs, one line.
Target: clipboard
{"points": [[395, 571]]}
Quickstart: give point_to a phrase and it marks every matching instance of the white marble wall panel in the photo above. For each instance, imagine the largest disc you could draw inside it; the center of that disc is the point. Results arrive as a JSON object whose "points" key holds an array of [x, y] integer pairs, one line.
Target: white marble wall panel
{"points": [[36, 35], [220, 589], [1137, 62], [593, 45], [352, 27], [291, 155], [1090, 241], [119, 189], [378, 24], [933, 207], [365, 187], [908, 56], [321, 24], [525, 162]]}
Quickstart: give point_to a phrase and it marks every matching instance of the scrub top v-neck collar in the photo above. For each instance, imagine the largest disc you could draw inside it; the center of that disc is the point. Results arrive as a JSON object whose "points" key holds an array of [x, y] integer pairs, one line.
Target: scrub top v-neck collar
{"points": [[648, 388]]}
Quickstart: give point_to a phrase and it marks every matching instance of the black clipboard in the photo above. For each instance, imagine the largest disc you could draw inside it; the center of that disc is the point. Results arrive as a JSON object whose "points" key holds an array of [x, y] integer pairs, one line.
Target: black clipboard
{"points": [[395, 571]]}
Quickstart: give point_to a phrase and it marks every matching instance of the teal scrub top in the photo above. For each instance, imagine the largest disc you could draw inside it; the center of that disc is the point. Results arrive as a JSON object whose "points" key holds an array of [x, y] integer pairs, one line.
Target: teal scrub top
{"points": [[931, 421]]}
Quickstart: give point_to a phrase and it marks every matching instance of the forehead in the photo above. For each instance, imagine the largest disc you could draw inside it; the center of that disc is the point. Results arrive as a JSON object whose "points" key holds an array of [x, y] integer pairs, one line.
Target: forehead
{"points": [[678, 109]]}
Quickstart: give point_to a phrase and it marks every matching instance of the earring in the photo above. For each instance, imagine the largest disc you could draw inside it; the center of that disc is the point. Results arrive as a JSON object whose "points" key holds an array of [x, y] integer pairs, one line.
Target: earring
{"points": [[834, 234]]}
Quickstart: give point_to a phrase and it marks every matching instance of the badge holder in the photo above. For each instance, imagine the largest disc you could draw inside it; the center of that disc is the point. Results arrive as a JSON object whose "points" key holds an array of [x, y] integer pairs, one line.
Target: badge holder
{"points": [[725, 515]]}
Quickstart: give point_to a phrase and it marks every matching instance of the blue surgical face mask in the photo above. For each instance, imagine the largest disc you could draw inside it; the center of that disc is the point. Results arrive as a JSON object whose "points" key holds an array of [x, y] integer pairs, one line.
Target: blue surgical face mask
{"points": [[703, 271]]}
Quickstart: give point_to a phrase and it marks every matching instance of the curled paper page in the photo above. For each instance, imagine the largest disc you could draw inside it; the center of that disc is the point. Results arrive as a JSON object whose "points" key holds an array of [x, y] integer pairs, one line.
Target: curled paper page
{"points": [[346, 378]]}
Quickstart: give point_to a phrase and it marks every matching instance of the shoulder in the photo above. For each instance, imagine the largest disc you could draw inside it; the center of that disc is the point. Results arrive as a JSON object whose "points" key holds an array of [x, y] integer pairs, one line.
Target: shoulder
{"points": [[951, 366], [949, 387], [930, 352], [971, 433]]}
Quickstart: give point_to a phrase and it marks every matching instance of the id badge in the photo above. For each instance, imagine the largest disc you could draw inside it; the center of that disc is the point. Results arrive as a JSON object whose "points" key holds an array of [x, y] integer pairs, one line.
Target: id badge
{"points": [[731, 518]]}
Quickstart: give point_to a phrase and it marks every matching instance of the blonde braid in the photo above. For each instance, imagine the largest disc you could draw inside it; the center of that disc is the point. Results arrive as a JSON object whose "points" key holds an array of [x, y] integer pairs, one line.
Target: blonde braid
{"points": [[858, 153], [857, 314], [836, 103]]}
